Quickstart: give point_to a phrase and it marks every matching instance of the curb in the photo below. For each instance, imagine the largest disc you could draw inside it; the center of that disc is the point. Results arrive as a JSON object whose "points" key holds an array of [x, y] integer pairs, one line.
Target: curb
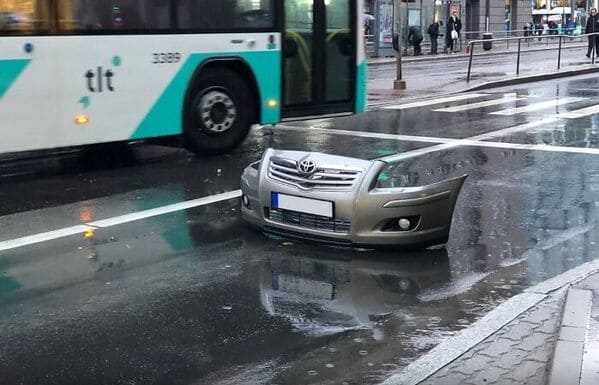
{"points": [[567, 359], [533, 78], [498, 83], [412, 59], [452, 348]]}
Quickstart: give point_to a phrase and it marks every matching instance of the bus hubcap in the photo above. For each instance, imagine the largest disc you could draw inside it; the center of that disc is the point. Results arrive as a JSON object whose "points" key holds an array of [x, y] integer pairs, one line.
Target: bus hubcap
{"points": [[217, 111]]}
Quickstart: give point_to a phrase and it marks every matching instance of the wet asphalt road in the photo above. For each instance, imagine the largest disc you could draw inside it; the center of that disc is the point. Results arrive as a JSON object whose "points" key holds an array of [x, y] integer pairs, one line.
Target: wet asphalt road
{"points": [[196, 297]]}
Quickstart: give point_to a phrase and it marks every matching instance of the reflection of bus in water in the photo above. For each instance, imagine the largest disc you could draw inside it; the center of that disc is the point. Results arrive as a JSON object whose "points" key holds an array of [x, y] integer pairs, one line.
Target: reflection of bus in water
{"points": [[80, 72], [556, 21]]}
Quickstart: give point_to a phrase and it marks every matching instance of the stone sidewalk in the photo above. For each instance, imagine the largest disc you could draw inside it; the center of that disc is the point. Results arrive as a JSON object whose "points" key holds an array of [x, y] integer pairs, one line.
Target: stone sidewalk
{"points": [[426, 84], [522, 350]]}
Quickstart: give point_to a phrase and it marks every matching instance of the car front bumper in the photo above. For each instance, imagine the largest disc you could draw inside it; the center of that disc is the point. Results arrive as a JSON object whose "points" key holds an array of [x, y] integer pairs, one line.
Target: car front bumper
{"points": [[362, 214]]}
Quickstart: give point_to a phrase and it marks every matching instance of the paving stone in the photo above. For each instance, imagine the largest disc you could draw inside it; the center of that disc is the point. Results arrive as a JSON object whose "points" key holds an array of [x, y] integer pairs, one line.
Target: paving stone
{"points": [[526, 370], [491, 375], [518, 353], [510, 361], [449, 379], [518, 332], [550, 327], [538, 341], [591, 283], [476, 363], [499, 348]]}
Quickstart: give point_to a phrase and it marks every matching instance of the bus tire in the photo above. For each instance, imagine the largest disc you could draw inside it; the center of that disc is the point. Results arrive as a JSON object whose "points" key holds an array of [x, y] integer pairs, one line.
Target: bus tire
{"points": [[218, 112]]}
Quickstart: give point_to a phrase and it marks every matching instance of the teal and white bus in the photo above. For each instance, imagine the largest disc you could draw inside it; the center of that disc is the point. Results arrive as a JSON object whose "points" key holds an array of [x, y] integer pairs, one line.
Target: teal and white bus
{"points": [[79, 72]]}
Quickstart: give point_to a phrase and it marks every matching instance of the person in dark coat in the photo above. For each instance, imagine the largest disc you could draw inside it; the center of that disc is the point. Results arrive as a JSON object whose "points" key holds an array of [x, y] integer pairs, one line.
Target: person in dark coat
{"points": [[433, 33], [592, 27], [415, 37], [552, 25], [453, 24]]}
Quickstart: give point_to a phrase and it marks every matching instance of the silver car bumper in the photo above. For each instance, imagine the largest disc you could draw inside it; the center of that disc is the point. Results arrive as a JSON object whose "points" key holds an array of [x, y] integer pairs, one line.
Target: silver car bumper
{"points": [[335, 199]]}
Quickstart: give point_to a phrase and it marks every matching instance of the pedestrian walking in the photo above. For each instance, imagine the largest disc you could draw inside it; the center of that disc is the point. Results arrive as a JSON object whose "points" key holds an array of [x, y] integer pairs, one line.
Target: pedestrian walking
{"points": [[539, 29], [592, 27], [433, 33], [454, 25], [528, 29], [552, 26], [415, 38]]}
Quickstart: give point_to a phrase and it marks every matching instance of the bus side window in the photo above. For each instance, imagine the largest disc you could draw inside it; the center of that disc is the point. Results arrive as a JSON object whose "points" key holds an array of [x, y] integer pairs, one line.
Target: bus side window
{"points": [[24, 18], [224, 14], [86, 15]]}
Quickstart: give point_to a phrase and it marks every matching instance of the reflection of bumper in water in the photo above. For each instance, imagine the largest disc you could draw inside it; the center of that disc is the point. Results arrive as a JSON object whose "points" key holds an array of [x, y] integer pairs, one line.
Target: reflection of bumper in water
{"points": [[326, 295], [336, 199]]}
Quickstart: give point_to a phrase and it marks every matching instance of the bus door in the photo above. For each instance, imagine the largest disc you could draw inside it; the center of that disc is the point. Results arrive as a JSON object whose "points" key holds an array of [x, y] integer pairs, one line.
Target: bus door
{"points": [[319, 57]]}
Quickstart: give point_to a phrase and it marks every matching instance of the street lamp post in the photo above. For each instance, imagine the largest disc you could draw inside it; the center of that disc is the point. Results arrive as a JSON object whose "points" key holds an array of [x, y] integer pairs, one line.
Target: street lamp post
{"points": [[487, 21], [399, 83]]}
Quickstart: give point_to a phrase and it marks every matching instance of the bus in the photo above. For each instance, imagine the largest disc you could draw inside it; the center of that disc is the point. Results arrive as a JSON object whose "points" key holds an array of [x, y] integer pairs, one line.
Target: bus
{"points": [[81, 72]]}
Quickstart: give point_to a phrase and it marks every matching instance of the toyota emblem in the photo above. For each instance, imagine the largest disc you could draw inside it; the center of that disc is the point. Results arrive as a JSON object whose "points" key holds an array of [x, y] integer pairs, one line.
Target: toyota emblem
{"points": [[306, 167]]}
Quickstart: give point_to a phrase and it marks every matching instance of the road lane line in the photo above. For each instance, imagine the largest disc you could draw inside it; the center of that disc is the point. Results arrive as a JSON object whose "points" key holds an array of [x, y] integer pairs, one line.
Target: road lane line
{"points": [[367, 134], [441, 143], [165, 209], [431, 102], [580, 113], [537, 106], [43, 237], [80, 229], [532, 147], [473, 106]]}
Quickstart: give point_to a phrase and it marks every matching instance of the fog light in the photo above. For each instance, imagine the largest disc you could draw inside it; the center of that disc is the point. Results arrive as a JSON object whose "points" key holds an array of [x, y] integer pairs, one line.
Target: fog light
{"points": [[246, 201], [404, 224]]}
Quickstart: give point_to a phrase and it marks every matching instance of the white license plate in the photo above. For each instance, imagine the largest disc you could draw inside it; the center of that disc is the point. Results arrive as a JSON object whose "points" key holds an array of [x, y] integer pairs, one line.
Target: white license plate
{"points": [[302, 205], [302, 286]]}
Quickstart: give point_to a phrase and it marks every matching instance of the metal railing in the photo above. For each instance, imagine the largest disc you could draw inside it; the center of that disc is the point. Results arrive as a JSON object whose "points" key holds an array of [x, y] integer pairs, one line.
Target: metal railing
{"points": [[530, 35], [560, 38], [466, 37]]}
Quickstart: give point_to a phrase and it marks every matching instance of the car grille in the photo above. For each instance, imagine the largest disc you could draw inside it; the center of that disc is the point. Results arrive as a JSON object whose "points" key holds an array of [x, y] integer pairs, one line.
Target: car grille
{"points": [[309, 221], [323, 178]]}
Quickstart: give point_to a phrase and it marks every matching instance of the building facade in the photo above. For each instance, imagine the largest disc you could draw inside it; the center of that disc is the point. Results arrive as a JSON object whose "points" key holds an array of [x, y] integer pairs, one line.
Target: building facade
{"points": [[496, 16]]}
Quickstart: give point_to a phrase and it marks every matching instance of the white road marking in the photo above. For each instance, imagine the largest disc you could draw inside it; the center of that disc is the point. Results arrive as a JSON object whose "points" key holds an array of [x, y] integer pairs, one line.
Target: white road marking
{"points": [[43, 237], [537, 106], [473, 106], [532, 147], [166, 209], [366, 134], [442, 143], [431, 102], [580, 113], [80, 229]]}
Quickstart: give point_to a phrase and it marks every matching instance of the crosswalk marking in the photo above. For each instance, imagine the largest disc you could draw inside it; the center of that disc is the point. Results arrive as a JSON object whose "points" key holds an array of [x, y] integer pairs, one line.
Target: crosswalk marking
{"points": [[581, 113], [537, 106], [431, 102], [473, 106]]}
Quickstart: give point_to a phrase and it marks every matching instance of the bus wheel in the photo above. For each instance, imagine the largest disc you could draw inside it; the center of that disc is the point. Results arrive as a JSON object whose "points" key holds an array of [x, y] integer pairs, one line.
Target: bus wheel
{"points": [[218, 112]]}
